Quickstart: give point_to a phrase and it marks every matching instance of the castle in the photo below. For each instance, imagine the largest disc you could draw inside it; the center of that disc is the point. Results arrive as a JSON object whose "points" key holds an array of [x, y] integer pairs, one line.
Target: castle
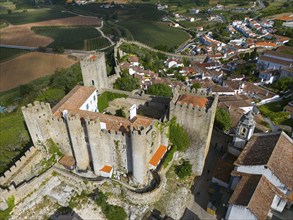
{"points": [[105, 143]]}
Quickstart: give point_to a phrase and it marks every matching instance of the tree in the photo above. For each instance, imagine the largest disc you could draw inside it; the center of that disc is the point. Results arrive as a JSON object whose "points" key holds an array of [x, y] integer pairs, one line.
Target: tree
{"points": [[58, 49], [126, 83], [196, 86], [284, 84], [183, 170], [253, 54], [223, 120], [119, 112], [160, 90], [178, 136]]}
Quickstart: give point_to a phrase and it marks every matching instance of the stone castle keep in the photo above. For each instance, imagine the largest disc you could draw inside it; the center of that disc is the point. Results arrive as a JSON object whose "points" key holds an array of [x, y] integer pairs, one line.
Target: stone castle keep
{"points": [[105, 143]]}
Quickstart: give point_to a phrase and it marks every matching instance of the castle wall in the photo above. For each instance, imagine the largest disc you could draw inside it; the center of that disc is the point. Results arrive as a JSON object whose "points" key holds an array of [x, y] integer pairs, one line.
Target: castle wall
{"points": [[79, 145], [23, 168]]}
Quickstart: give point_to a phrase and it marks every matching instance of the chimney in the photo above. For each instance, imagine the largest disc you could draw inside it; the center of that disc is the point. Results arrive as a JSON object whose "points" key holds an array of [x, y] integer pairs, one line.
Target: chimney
{"points": [[132, 112]]}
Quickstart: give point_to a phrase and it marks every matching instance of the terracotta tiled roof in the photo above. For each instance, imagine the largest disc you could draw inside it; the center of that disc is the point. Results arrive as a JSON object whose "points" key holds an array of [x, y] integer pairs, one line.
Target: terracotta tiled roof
{"points": [[258, 149], [115, 123], [285, 18], [217, 88], [133, 58], [281, 160], [74, 99], [106, 169], [260, 203], [274, 150], [256, 193], [265, 44], [223, 170], [262, 93], [244, 190], [67, 161], [232, 84], [194, 100], [158, 155]]}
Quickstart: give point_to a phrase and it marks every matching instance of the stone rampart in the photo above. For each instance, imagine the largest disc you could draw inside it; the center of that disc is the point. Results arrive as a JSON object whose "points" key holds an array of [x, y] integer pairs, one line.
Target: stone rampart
{"points": [[198, 58], [22, 169]]}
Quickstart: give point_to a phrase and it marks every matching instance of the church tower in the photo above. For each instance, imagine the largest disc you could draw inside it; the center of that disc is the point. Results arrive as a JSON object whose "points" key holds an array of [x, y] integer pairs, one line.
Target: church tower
{"points": [[93, 68], [244, 130]]}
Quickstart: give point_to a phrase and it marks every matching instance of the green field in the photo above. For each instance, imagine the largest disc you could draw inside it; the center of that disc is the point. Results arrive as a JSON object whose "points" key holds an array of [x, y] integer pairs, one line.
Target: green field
{"points": [[68, 37], [7, 53], [141, 22], [155, 33], [96, 43], [34, 15]]}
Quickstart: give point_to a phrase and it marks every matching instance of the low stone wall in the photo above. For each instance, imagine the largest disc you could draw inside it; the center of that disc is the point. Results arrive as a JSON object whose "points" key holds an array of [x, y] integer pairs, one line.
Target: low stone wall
{"points": [[146, 198], [22, 169]]}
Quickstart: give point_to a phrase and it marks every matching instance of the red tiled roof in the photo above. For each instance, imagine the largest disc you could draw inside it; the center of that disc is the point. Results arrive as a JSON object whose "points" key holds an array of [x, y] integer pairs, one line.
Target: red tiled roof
{"points": [[67, 161], [285, 18], [74, 99], [106, 169], [194, 100], [265, 44], [158, 155], [270, 149]]}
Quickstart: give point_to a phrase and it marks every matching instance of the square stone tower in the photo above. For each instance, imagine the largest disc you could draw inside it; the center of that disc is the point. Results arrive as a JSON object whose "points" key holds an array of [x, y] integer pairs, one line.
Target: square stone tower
{"points": [[93, 68]]}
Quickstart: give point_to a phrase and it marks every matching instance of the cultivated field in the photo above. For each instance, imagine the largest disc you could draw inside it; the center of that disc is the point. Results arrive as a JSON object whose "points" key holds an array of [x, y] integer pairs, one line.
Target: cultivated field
{"points": [[7, 53], [30, 66], [22, 35], [70, 37]]}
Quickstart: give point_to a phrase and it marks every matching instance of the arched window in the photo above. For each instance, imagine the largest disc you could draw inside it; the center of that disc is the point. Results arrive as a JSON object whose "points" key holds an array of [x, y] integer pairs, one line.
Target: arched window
{"points": [[243, 131]]}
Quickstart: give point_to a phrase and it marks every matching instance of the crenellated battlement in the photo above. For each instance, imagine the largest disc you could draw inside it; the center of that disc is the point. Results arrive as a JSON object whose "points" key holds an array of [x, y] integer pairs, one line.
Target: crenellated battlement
{"points": [[16, 169]]}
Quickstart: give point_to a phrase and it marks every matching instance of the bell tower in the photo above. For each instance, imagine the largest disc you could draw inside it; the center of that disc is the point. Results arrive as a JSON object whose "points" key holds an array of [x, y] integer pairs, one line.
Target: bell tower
{"points": [[244, 130]]}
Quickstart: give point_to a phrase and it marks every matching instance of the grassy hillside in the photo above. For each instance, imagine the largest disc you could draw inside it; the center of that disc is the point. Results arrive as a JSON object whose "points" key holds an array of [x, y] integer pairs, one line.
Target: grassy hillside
{"points": [[34, 15], [68, 37]]}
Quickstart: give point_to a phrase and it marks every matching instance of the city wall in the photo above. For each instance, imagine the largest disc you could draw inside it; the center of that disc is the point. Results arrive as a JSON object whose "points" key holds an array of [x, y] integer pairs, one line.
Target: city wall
{"points": [[22, 169]]}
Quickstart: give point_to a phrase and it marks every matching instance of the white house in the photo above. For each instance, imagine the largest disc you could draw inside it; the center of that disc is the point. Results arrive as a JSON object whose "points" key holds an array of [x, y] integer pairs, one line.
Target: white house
{"points": [[269, 76]]}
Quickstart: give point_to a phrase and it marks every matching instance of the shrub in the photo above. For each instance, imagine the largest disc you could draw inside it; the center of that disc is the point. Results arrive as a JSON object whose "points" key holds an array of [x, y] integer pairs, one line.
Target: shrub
{"points": [[106, 97], [52, 95], [169, 156], [126, 83], [4, 215], [112, 212], [183, 170], [178, 136], [223, 120], [160, 90]]}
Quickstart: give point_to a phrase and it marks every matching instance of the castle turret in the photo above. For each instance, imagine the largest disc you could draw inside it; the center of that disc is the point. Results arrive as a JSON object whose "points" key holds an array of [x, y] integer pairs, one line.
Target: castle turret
{"points": [[93, 68], [139, 156], [37, 117], [244, 130], [79, 145]]}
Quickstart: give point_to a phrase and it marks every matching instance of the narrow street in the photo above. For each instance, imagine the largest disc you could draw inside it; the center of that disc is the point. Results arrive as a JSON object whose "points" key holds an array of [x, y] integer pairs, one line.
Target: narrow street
{"points": [[196, 209]]}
